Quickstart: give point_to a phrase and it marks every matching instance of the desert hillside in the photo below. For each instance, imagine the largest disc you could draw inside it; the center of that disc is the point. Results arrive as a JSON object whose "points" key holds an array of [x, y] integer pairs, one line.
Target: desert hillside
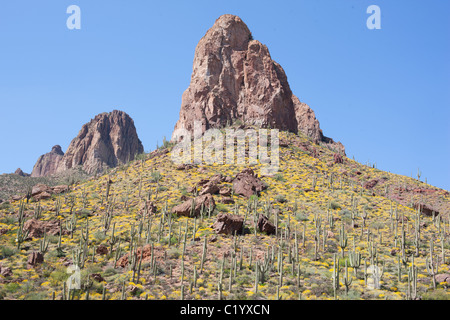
{"points": [[140, 232]]}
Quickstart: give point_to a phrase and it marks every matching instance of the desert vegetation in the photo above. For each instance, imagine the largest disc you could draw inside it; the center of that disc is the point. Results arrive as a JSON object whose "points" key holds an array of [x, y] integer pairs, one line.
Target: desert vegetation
{"points": [[337, 234]]}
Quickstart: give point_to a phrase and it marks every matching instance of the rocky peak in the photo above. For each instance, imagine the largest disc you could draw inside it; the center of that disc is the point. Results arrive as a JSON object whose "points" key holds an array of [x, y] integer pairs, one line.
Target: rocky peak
{"points": [[47, 164], [19, 172], [107, 140], [57, 150], [235, 78]]}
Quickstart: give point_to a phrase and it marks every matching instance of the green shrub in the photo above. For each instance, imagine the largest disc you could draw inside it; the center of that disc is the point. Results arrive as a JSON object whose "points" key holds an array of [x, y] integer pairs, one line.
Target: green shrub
{"points": [[220, 207], [7, 251], [438, 294], [301, 217], [280, 198], [335, 205]]}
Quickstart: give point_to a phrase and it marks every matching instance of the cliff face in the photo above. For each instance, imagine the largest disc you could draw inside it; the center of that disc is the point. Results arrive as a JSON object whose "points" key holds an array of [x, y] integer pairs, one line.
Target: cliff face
{"points": [[106, 141], [235, 78], [48, 163]]}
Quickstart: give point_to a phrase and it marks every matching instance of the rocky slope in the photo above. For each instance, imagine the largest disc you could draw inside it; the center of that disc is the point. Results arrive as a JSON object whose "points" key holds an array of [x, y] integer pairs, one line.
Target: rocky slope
{"points": [[317, 208], [235, 79]]}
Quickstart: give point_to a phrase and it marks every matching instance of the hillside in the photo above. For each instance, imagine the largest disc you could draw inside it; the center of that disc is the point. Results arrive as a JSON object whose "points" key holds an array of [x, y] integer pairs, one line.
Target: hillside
{"points": [[325, 208]]}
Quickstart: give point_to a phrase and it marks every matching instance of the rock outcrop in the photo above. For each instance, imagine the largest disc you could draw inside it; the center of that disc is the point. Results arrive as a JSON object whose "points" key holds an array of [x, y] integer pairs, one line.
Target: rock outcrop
{"points": [[34, 259], [42, 191], [228, 224], [36, 228], [264, 225], [106, 141], [234, 78], [19, 172], [48, 163], [193, 207], [247, 183]]}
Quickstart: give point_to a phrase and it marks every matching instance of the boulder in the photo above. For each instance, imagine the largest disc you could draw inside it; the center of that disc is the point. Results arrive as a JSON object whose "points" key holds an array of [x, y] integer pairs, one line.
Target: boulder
{"points": [[211, 187], [97, 277], [102, 250], [185, 208], [60, 189], [5, 271], [225, 191], [37, 228], [247, 183], [148, 206], [264, 225], [426, 209], [443, 277], [228, 224], [370, 184], [338, 158], [34, 258]]}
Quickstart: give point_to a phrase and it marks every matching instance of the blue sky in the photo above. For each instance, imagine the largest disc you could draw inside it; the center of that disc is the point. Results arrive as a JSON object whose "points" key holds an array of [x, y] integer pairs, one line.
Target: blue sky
{"points": [[385, 94]]}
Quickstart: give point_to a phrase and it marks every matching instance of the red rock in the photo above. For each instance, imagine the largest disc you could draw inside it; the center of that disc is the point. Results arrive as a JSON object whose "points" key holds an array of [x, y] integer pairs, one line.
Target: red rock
{"points": [[148, 206], [48, 163], [184, 209], [235, 78], [426, 191], [338, 158], [264, 225], [97, 277], [425, 209], [211, 188], [226, 192], [34, 258], [102, 250], [19, 172], [247, 183], [17, 197], [60, 189], [5, 271], [442, 277], [370, 184], [40, 188], [42, 196], [184, 166], [106, 141], [228, 224], [37, 228]]}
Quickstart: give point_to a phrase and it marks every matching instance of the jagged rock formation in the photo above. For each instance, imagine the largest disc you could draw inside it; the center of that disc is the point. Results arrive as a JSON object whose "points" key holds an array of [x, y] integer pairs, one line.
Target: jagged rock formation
{"points": [[106, 141], [19, 172], [235, 78], [47, 164]]}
